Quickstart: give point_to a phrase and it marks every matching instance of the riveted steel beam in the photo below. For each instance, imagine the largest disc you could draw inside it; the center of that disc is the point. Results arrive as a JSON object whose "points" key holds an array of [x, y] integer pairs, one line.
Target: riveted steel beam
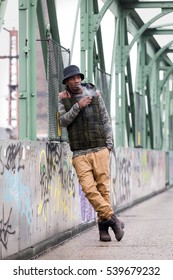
{"points": [[154, 58], [155, 31], [27, 69], [90, 23], [143, 29], [131, 4]]}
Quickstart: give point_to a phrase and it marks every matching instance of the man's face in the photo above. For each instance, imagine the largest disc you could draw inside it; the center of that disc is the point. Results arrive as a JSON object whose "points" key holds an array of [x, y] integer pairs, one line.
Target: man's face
{"points": [[74, 83]]}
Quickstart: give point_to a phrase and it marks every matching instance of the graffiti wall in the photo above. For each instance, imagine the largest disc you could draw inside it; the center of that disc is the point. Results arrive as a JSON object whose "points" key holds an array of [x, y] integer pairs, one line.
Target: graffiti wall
{"points": [[171, 168], [135, 174], [40, 195]]}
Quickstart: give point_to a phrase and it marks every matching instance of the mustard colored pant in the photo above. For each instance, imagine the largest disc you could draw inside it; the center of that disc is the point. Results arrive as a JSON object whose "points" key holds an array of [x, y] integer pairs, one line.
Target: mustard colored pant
{"points": [[93, 172]]}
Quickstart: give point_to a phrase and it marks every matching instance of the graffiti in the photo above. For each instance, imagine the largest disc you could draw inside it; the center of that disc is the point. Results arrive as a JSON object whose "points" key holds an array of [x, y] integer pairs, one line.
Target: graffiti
{"points": [[65, 191], [5, 228], [121, 175], [16, 192], [65, 196], [57, 176], [1, 163], [48, 163], [67, 174], [58, 161], [87, 212], [13, 158], [14, 151], [42, 207], [135, 161], [31, 152], [40, 187], [53, 155], [170, 167], [43, 174]]}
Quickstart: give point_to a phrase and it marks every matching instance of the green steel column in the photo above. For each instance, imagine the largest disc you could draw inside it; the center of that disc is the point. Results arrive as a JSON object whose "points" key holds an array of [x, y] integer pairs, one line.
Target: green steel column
{"points": [[159, 118], [166, 92], [155, 105], [120, 84], [83, 35], [148, 73], [89, 24], [167, 109], [53, 20], [87, 38], [170, 120], [43, 31], [117, 87], [91, 34], [75, 28], [140, 88], [27, 69], [143, 64]]}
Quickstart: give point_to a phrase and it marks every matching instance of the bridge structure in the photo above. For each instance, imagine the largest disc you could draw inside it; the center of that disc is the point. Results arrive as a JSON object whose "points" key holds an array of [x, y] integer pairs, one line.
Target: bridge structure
{"points": [[124, 47]]}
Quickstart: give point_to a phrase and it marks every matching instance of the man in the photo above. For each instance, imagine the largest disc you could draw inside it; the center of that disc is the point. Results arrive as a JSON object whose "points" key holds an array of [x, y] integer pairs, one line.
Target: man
{"points": [[83, 112]]}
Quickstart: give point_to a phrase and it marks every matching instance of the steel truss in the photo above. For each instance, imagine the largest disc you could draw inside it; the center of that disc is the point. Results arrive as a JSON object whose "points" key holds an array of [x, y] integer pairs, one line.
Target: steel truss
{"points": [[142, 99]]}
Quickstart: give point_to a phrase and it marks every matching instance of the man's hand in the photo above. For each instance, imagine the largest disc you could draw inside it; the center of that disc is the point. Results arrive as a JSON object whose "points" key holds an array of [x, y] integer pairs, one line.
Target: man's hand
{"points": [[85, 101]]}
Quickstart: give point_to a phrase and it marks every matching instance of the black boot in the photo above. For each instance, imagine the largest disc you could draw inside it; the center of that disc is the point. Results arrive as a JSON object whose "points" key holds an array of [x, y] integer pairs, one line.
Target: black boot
{"points": [[103, 232], [116, 225]]}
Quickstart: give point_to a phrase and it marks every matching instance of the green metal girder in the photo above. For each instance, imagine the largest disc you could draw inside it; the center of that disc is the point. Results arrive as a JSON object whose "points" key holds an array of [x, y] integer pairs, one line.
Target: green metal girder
{"points": [[132, 4], [27, 69], [92, 55], [156, 31], [141, 87], [43, 31], [145, 72], [75, 28], [167, 106], [46, 29], [90, 23], [166, 76], [130, 109], [154, 58], [53, 21], [100, 59], [154, 117], [149, 122], [121, 83], [29, 12], [143, 29]]}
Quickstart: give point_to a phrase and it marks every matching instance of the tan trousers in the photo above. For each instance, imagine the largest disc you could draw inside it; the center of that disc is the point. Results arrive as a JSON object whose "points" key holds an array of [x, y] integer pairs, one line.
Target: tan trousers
{"points": [[94, 176]]}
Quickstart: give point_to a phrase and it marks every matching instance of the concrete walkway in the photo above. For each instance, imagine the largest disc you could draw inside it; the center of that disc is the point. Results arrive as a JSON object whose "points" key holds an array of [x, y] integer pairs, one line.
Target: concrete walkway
{"points": [[148, 236]]}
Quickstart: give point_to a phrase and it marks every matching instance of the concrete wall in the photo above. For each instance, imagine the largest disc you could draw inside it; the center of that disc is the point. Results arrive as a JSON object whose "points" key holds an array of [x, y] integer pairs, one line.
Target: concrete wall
{"points": [[41, 202], [171, 168]]}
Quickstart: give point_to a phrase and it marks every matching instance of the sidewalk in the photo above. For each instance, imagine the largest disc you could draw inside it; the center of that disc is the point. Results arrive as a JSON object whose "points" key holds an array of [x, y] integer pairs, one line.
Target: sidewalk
{"points": [[148, 235]]}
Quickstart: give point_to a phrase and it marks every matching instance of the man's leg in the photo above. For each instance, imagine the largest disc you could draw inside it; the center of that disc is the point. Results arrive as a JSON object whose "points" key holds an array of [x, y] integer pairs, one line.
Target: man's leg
{"points": [[101, 171], [84, 170]]}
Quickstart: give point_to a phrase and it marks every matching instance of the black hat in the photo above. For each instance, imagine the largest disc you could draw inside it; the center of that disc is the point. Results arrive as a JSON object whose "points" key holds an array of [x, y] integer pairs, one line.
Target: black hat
{"points": [[71, 71]]}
